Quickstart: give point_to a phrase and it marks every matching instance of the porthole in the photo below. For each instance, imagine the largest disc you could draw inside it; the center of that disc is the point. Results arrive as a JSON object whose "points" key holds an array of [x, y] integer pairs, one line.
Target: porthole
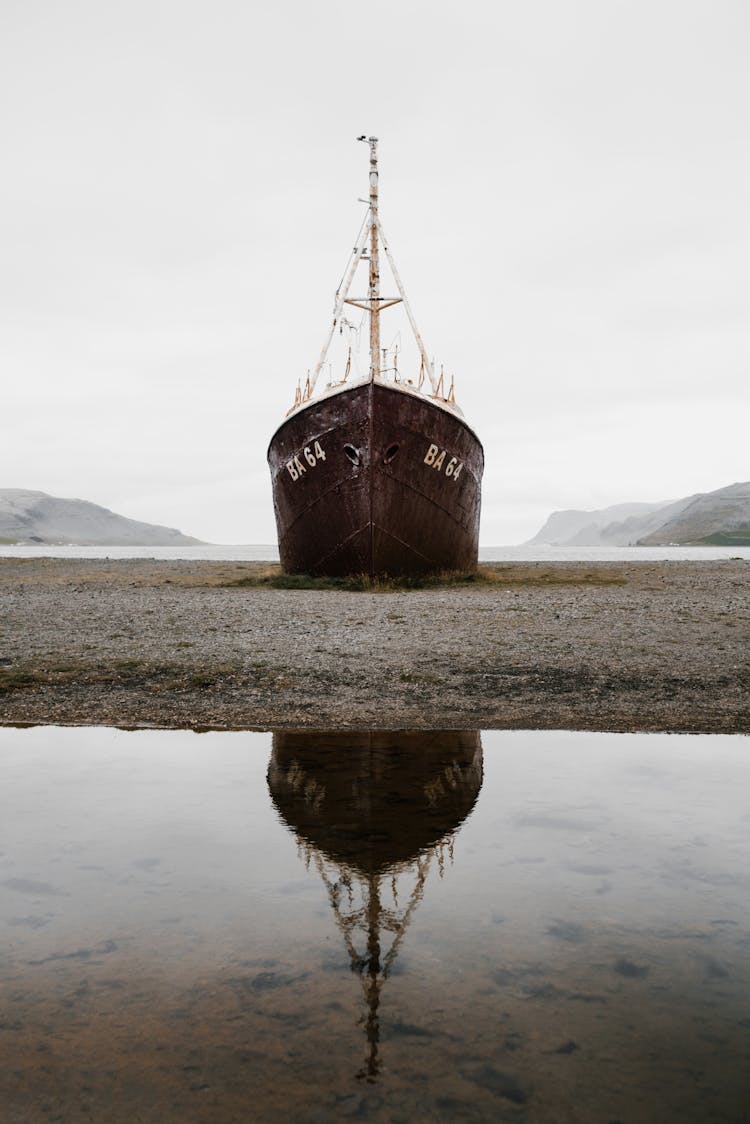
{"points": [[390, 453], [352, 454]]}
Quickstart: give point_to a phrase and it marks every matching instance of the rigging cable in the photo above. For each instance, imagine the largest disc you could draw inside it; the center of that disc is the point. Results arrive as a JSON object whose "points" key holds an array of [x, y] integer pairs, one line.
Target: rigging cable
{"points": [[356, 247]]}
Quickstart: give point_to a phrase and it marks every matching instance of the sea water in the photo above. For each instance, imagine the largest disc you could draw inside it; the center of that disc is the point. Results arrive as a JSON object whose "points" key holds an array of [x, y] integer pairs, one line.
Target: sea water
{"points": [[213, 552], [523, 926]]}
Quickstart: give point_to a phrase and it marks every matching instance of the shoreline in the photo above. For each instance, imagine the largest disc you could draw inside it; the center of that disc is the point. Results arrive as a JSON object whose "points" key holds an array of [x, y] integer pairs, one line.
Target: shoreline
{"points": [[647, 646]]}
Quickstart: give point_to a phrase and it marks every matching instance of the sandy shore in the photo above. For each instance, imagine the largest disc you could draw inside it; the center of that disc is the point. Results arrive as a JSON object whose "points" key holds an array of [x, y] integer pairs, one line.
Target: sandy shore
{"points": [[639, 646]]}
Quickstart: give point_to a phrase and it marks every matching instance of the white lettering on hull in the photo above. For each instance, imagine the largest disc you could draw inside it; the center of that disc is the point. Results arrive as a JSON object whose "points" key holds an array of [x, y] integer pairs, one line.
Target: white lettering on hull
{"points": [[435, 458], [312, 456]]}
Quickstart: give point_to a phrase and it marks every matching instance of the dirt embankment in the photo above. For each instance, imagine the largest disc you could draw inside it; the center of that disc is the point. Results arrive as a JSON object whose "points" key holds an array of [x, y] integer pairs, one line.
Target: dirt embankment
{"points": [[636, 646]]}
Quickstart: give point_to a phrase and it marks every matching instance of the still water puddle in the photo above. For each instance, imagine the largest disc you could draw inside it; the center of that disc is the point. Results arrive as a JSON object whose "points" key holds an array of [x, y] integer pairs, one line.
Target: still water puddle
{"points": [[310, 927]]}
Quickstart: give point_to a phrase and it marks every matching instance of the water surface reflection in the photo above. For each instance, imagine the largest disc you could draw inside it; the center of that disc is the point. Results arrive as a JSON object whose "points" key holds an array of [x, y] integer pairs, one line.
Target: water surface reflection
{"points": [[534, 927], [373, 812]]}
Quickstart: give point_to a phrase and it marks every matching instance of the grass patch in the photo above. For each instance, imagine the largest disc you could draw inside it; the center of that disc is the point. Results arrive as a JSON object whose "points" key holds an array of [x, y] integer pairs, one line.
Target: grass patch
{"points": [[740, 536], [352, 583], [416, 679], [119, 673], [502, 575], [15, 679], [202, 679]]}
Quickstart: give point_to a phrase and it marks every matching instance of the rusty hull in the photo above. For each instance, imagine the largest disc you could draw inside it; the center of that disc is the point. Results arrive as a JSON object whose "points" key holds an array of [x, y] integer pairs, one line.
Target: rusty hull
{"points": [[378, 480]]}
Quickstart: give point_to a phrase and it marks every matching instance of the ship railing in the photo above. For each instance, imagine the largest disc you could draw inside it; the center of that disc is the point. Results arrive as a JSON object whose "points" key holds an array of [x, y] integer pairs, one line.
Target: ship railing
{"points": [[303, 394]]}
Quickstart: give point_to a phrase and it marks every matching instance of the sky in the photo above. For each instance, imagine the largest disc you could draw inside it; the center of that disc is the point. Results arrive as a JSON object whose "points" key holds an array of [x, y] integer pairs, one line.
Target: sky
{"points": [[565, 185]]}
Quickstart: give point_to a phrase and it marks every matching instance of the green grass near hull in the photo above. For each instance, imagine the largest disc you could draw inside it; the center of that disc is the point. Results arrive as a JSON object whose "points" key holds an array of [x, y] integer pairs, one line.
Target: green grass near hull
{"points": [[502, 575]]}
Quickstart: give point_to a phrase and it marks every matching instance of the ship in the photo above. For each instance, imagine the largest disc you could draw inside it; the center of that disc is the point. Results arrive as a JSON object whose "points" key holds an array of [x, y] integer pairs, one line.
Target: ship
{"points": [[376, 473]]}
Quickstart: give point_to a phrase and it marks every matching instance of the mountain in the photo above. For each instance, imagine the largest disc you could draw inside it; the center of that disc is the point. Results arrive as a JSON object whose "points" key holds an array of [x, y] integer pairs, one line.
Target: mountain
{"points": [[720, 517], [35, 517], [620, 525]]}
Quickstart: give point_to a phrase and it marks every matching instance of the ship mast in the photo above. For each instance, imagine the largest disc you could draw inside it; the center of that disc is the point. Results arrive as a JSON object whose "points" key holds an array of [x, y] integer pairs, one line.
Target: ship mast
{"points": [[373, 304], [374, 294]]}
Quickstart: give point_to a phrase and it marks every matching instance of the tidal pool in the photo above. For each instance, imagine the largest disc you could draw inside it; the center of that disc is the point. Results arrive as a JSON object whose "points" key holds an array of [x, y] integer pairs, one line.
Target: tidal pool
{"points": [[520, 926]]}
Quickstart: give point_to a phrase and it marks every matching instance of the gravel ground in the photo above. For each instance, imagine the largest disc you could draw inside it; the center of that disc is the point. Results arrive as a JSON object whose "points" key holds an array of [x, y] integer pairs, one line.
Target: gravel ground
{"points": [[636, 646]]}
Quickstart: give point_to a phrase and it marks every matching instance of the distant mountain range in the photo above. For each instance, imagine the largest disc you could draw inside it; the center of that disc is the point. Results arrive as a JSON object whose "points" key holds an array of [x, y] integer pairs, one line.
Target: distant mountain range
{"points": [[35, 517], [720, 518]]}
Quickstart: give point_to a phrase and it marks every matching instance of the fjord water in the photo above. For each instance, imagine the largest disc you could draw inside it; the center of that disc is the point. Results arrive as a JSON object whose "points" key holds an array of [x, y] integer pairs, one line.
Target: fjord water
{"points": [[545, 926], [214, 552]]}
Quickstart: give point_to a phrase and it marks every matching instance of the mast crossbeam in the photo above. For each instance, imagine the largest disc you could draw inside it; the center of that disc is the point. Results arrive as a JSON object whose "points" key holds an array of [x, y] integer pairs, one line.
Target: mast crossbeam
{"points": [[366, 304]]}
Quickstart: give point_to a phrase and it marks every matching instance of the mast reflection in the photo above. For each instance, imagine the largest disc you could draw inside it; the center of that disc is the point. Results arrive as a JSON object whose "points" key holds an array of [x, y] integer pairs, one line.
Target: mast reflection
{"points": [[374, 812]]}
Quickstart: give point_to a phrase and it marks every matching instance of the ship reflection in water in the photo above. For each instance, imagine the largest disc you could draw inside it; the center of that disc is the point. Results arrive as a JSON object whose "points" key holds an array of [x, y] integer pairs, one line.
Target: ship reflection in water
{"points": [[373, 812], [543, 926]]}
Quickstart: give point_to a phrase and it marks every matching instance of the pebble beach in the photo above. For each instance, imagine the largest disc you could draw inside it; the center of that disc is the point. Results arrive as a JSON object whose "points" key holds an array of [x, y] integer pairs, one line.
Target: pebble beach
{"points": [[576, 645]]}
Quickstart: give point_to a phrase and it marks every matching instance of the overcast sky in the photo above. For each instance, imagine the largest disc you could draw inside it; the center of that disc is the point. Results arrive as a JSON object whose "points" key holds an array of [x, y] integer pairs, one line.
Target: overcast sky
{"points": [[565, 186]]}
